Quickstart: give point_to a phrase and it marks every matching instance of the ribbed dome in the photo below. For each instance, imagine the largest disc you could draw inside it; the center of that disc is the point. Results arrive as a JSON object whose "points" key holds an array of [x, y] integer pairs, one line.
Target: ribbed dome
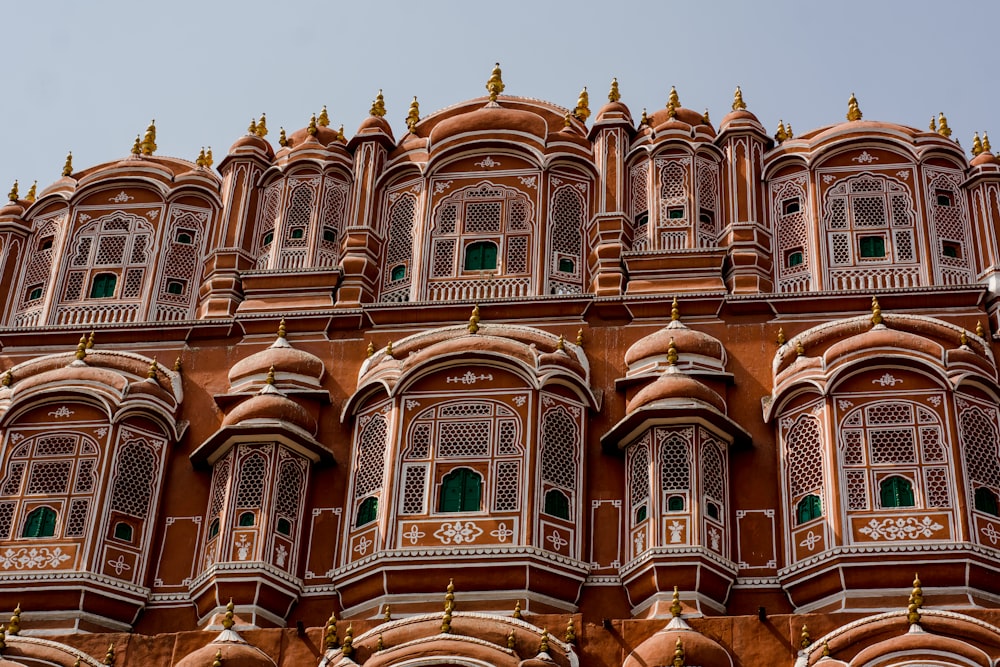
{"points": [[696, 349], [271, 406], [614, 111], [660, 648], [485, 119], [675, 385], [233, 655], [251, 143], [291, 366]]}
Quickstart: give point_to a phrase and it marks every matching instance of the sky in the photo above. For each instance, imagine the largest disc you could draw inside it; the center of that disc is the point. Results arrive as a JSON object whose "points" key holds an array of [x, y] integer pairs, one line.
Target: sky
{"points": [[87, 77]]}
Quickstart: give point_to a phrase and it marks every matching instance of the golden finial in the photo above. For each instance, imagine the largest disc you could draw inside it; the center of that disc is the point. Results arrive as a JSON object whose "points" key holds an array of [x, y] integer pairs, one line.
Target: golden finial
{"points": [[151, 373], [876, 312], [282, 331], [378, 106], [672, 353], [675, 604], [738, 103], [218, 659], [678, 654], [30, 197], [324, 118], [579, 338], [568, 121], [90, 340], [177, 364], [543, 644], [149, 139], [227, 621], [804, 639], [671, 110], [137, 146], [943, 128], [614, 95], [68, 165], [853, 110], [511, 642], [449, 605], [109, 657], [977, 145], [12, 195], [800, 350], [643, 119], [282, 138], [582, 110], [986, 143], [474, 320], [781, 336], [675, 100], [413, 115], [675, 311], [252, 128], [76, 663], [330, 631], [7, 379], [915, 602], [200, 160], [312, 128], [494, 86], [386, 616], [561, 343], [262, 126], [449, 596], [933, 126], [780, 135], [81, 348], [208, 157], [270, 376], [788, 131], [340, 134], [371, 350], [570, 636], [379, 645], [979, 330], [388, 349], [963, 340], [3, 639], [517, 607], [705, 119], [826, 649], [14, 627], [348, 646]]}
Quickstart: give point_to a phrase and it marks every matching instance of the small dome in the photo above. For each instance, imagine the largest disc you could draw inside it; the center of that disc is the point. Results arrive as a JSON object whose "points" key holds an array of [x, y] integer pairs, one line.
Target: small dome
{"points": [[233, 655], [6, 662], [984, 158], [740, 118], [661, 648], [678, 386], [485, 119], [325, 135], [271, 406], [291, 367], [251, 143], [613, 111], [697, 350]]}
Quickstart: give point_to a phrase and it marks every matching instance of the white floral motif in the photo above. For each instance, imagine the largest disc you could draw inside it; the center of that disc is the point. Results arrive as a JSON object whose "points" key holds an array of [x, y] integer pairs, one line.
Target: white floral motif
{"points": [[519, 401], [909, 528], [101, 432], [414, 534], [243, 547], [361, 548], [640, 542], [903, 174], [61, 411], [828, 178], [991, 533], [864, 158], [488, 162], [812, 539], [887, 380], [676, 529], [119, 565], [502, 532], [458, 532], [121, 198], [29, 559], [714, 537], [152, 215], [556, 540], [843, 404], [471, 378], [410, 404], [934, 400], [17, 437], [280, 555], [528, 181], [441, 186]]}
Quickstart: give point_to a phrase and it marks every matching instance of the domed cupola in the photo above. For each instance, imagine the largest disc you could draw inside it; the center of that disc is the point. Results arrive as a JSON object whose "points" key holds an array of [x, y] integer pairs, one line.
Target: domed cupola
{"points": [[678, 644], [253, 142], [228, 648], [292, 368]]}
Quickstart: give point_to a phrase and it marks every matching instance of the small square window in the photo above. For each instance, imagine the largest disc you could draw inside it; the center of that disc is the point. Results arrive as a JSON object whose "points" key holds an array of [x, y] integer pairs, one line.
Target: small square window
{"points": [[794, 257], [642, 219], [184, 237], [944, 198], [176, 286], [45, 244], [951, 249], [34, 293], [872, 247], [329, 234], [675, 213], [790, 206]]}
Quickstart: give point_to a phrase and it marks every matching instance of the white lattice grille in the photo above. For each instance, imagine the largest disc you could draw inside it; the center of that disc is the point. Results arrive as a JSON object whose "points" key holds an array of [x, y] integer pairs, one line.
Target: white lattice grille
{"points": [[399, 248], [508, 484], [251, 480], [713, 471], [179, 271], [517, 254], [266, 222], [295, 232], [936, 487], [463, 439], [483, 217], [675, 459], [852, 443], [507, 440], [638, 478], [6, 519], [443, 258], [56, 445], [332, 222], [567, 220], [39, 264], [134, 479], [857, 489], [414, 485], [291, 488], [639, 204], [950, 225], [49, 477], [981, 437], [220, 485], [420, 442], [370, 462], [889, 413], [804, 445], [931, 445], [76, 524], [12, 481], [560, 443], [892, 445]]}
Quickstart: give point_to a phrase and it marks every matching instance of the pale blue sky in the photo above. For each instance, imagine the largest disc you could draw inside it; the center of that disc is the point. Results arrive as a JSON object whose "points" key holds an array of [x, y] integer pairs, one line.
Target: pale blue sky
{"points": [[88, 76]]}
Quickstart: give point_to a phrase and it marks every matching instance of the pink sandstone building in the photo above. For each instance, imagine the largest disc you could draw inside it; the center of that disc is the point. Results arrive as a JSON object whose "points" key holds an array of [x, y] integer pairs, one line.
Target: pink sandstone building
{"points": [[523, 387]]}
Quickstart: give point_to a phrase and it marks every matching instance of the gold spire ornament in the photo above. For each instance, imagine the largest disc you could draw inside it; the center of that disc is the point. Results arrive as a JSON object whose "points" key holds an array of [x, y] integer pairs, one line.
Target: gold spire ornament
{"points": [[449, 605], [781, 336], [413, 115], [340, 134], [12, 195], [324, 118], [826, 649], [614, 95], [738, 103], [7, 378], [370, 351], [3, 639], [943, 128], [675, 604], [386, 616], [262, 126], [986, 143], [582, 110], [672, 353], [81, 348], [570, 636], [933, 126], [228, 622], [252, 128], [579, 338], [14, 627], [915, 602], [151, 373], [218, 659], [282, 330], [963, 340], [137, 146], [788, 131], [347, 648], [853, 110], [675, 311], [876, 312], [800, 350], [517, 605], [149, 139], [643, 119], [90, 339], [380, 645], [312, 128], [282, 138], [543, 643], [32, 191], [568, 121], [511, 642], [109, 657], [678, 654], [208, 157], [979, 330], [705, 119], [804, 639], [494, 86], [780, 135], [474, 320], [177, 364], [977, 145], [200, 160], [378, 106], [388, 349], [68, 165], [330, 631], [270, 376], [561, 343], [674, 100]]}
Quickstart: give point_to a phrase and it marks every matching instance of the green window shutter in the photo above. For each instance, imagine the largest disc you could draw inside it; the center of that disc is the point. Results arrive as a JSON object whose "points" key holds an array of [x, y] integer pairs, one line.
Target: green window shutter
{"points": [[896, 492], [461, 491], [557, 504], [809, 508], [41, 523], [103, 286], [480, 256], [368, 511], [986, 501]]}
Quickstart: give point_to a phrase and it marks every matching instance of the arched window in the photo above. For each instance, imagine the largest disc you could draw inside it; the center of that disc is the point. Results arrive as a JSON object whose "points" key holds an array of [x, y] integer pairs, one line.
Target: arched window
{"points": [[557, 504], [986, 501], [461, 491], [213, 528], [41, 522], [367, 511], [809, 508], [123, 531], [675, 504], [247, 519], [103, 286], [896, 491], [284, 526], [480, 256]]}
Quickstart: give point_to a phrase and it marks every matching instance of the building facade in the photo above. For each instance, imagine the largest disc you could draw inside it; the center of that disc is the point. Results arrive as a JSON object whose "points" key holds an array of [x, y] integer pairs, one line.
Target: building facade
{"points": [[520, 388]]}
